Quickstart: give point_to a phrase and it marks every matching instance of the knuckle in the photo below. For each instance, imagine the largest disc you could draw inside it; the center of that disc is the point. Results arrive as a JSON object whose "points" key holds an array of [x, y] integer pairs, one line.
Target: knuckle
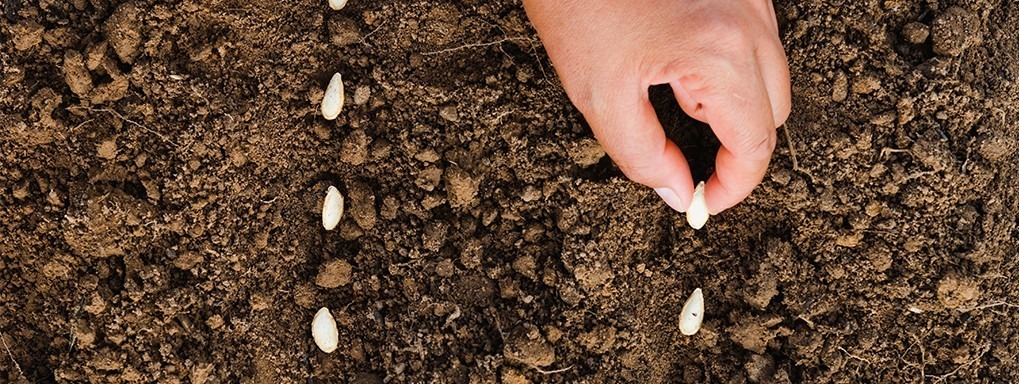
{"points": [[735, 43], [695, 80], [641, 166], [593, 91], [755, 147], [638, 173], [591, 103], [728, 33], [763, 148]]}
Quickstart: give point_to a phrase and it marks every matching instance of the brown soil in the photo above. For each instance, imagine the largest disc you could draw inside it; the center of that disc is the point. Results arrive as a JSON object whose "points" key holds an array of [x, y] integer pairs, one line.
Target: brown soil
{"points": [[163, 167]]}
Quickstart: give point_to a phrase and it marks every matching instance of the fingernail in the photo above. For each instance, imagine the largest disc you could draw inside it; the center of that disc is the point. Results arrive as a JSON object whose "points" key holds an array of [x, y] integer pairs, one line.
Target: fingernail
{"points": [[671, 198]]}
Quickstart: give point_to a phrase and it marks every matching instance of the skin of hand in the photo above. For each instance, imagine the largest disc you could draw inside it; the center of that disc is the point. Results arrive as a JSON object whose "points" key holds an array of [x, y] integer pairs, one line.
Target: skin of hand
{"points": [[723, 59]]}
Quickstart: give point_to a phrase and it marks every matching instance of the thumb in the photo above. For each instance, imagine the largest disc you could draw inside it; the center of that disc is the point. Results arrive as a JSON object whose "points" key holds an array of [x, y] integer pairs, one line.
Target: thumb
{"points": [[626, 126]]}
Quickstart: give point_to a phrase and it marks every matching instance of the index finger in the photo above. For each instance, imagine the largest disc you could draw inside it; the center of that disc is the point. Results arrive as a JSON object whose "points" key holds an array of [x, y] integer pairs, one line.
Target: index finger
{"points": [[736, 105]]}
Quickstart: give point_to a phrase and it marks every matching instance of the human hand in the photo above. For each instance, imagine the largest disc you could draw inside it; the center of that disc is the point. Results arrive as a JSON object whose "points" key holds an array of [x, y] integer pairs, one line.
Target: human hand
{"points": [[723, 60]]}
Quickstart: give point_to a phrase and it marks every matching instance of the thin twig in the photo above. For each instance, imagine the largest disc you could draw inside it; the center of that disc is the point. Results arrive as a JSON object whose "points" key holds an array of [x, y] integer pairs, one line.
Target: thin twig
{"points": [[552, 372], [475, 45], [991, 305], [365, 37], [76, 127], [792, 155], [16, 366], [854, 356], [129, 121], [792, 149], [887, 151], [534, 54], [74, 335], [940, 378], [922, 365]]}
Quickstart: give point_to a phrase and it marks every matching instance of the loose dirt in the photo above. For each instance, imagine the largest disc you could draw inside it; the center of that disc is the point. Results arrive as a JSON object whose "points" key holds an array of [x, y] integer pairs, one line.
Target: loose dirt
{"points": [[162, 166]]}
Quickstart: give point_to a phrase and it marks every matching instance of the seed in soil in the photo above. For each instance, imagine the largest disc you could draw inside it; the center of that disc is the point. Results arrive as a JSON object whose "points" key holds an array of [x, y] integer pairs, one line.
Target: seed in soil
{"points": [[693, 313], [332, 208], [337, 5], [324, 331], [332, 102], [697, 214]]}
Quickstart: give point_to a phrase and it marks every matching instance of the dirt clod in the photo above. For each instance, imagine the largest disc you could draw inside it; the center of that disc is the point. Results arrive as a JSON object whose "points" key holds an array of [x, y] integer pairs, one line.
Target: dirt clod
{"points": [[953, 31], [449, 113], [75, 74], [527, 350], [107, 149], [600, 340], [586, 153], [513, 376], [202, 373], [362, 205], [361, 95], [956, 291], [334, 273], [27, 34], [840, 88], [354, 150], [461, 188], [123, 30], [866, 84], [343, 31], [760, 369], [915, 32], [997, 147]]}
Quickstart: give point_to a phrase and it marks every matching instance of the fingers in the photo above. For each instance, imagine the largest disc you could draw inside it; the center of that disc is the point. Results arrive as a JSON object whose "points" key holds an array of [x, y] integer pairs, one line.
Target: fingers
{"points": [[775, 74], [629, 131], [690, 106], [736, 103]]}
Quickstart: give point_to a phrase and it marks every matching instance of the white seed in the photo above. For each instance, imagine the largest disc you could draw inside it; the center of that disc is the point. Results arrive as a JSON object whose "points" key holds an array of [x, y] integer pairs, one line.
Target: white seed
{"points": [[697, 214], [332, 102], [337, 5], [332, 208], [693, 313], [323, 330]]}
